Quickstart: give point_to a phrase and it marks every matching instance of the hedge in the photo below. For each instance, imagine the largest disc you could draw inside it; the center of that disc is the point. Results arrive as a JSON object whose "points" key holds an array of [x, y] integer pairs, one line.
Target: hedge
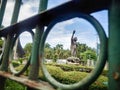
{"points": [[66, 77], [66, 67], [71, 77]]}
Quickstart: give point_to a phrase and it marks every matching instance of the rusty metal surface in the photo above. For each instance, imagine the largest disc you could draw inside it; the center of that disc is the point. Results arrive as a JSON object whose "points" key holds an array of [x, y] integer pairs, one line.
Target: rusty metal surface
{"points": [[40, 85]]}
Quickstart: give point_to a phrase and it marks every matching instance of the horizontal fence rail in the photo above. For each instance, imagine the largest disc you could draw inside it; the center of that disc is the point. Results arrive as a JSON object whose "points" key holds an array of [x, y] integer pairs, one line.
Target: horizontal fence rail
{"points": [[39, 85]]}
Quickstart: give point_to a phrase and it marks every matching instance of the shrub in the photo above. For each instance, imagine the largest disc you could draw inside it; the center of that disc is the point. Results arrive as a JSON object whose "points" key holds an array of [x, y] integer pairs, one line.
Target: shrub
{"points": [[99, 84], [74, 76], [15, 63], [11, 85], [68, 77], [54, 71], [80, 68], [74, 68], [61, 76]]}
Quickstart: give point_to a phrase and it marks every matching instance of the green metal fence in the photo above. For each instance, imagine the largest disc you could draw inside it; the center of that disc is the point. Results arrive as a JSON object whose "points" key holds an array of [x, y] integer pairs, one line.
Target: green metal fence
{"points": [[109, 47]]}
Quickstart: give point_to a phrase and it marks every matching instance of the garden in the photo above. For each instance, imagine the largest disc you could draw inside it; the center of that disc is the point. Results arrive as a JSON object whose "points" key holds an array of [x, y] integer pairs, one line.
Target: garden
{"points": [[63, 73]]}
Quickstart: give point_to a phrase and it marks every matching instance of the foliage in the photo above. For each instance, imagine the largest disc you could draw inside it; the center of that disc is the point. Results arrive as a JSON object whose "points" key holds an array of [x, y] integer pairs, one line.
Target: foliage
{"points": [[71, 77], [75, 68], [79, 68], [19, 61], [99, 84], [89, 54], [1, 44], [56, 52], [11, 85], [28, 49], [47, 45], [66, 77], [83, 52], [15, 63]]}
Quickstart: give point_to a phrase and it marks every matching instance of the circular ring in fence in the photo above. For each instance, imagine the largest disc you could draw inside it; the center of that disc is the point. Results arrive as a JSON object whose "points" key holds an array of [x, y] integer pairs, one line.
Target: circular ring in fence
{"points": [[100, 63], [18, 65]]}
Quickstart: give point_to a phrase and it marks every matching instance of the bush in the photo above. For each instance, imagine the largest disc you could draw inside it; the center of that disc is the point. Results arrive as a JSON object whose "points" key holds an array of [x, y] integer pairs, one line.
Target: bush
{"points": [[80, 68], [63, 77], [54, 71], [68, 77], [11, 85], [99, 84], [15, 63], [74, 68], [71, 77]]}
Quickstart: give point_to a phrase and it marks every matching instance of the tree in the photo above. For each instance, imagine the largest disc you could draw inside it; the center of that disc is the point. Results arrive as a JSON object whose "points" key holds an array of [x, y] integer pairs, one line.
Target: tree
{"points": [[58, 51], [84, 52], [28, 49], [66, 54], [81, 48], [89, 54], [59, 46], [47, 45]]}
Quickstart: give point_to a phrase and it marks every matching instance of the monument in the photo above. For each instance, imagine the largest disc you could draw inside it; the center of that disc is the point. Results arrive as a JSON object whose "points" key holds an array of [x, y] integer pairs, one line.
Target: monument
{"points": [[73, 45], [73, 49]]}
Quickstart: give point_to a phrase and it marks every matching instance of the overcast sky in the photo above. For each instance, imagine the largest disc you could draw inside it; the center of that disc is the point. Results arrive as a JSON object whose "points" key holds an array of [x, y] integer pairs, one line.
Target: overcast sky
{"points": [[61, 32]]}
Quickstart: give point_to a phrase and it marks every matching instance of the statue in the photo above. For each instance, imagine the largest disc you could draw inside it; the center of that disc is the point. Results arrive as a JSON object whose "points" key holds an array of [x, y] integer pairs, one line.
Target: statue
{"points": [[73, 46]]}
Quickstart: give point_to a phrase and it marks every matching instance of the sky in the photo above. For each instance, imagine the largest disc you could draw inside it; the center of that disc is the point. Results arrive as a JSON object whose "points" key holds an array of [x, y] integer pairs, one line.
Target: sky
{"points": [[61, 32]]}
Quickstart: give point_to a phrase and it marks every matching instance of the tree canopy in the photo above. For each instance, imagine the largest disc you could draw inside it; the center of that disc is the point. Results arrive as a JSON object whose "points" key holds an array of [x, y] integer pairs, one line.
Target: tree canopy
{"points": [[58, 52]]}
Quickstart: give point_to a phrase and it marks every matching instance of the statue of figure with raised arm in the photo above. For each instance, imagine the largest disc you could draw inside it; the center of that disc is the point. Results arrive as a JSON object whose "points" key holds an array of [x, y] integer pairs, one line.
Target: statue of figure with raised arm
{"points": [[73, 46]]}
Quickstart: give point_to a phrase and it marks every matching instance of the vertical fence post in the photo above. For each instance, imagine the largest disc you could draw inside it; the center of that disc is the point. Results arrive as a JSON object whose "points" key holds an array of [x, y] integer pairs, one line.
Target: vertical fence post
{"points": [[35, 63], [4, 65], [5, 62], [2, 11], [16, 11], [114, 45]]}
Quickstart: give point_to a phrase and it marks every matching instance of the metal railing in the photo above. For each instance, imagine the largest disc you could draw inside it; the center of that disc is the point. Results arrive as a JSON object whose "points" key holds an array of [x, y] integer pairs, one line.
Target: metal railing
{"points": [[109, 47]]}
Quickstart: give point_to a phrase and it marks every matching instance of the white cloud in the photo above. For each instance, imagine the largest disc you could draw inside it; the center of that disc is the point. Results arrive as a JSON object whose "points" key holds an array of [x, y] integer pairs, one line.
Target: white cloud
{"points": [[25, 38], [25, 12], [61, 33], [53, 40], [8, 13], [57, 34]]}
